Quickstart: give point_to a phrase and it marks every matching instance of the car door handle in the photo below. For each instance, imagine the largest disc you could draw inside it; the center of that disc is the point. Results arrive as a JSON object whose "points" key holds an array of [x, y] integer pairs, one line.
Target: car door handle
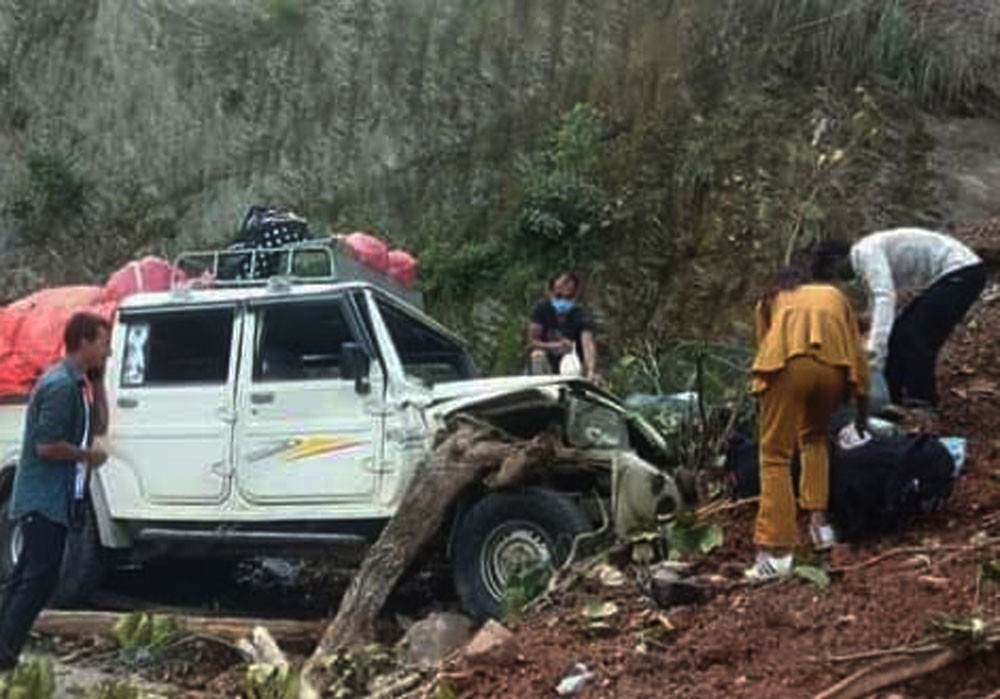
{"points": [[128, 403], [261, 398]]}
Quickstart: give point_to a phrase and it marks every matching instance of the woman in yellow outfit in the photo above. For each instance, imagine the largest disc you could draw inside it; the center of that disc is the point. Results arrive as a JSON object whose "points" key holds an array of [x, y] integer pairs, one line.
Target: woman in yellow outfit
{"points": [[809, 359]]}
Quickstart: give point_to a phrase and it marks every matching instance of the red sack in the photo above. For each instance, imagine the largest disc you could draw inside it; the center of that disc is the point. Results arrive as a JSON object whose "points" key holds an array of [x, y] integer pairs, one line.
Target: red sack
{"points": [[147, 274], [403, 267], [31, 332], [31, 329], [368, 250]]}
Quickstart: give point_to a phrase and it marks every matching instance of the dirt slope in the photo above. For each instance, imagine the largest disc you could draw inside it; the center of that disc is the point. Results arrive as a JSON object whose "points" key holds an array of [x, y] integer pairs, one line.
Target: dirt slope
{"points": [[771, 641]]}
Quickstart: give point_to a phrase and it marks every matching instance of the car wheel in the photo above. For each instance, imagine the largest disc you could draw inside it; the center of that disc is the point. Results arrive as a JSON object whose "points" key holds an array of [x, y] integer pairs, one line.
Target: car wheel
{"points": [[506, 532]]}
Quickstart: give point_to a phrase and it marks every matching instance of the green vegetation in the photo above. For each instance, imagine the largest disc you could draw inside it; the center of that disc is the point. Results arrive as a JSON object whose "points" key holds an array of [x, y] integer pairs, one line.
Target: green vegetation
{"points": [[141, 632], [289, 13], [32, 679], [673, 152], [794, 121], [50, 194], [689, 536], [524, 586], [939, 54], [817, 574], [115, 689], [271, 682]]}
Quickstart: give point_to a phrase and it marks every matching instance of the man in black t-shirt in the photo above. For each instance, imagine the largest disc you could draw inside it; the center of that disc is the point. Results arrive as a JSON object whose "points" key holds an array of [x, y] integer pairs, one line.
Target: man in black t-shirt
{"points": [[559, 326]]}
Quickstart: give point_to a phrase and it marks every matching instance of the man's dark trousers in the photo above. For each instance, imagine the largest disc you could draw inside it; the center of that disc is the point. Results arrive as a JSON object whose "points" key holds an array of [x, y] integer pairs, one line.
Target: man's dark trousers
{"points": [[922, 329], [31, 583]]}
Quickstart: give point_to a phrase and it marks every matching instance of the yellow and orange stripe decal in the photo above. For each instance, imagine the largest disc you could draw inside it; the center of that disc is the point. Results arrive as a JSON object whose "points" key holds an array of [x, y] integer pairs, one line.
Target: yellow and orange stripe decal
{"points": [[317, 445]]}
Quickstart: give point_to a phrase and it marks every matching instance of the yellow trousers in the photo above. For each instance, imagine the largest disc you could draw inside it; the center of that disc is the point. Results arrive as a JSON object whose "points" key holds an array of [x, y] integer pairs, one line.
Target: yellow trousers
{"points": [[795, 411]]}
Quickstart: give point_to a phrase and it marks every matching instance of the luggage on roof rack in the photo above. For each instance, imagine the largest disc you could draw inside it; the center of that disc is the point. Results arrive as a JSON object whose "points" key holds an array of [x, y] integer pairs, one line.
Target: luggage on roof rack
{"points": [[264, 228], [317, 261]]}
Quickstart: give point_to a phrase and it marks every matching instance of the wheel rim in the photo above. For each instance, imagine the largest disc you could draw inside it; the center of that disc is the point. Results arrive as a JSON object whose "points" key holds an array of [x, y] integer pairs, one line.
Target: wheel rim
{"points": [[510, 548]]}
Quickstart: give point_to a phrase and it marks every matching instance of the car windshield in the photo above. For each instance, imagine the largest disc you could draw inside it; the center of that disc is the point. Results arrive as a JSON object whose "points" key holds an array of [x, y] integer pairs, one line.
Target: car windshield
{"points": [[426, 353]]}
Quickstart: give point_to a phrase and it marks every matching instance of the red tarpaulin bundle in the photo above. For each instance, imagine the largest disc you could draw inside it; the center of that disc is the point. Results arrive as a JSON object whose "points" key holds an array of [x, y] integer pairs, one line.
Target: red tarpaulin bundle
{"points": [[31, 329], [368, 250], [375, 254], [403, 267], [147, 274]]}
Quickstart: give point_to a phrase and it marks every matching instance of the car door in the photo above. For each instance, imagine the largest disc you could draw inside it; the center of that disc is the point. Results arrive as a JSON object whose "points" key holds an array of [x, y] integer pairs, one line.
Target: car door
{"points": [[306, 433], [172, 414]]}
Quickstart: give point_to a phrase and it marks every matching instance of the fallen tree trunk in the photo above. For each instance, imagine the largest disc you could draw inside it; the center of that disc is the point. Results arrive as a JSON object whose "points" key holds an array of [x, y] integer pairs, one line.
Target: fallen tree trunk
{"points": [[890, 671], [230, 629], [887, 673], [466, 456]]}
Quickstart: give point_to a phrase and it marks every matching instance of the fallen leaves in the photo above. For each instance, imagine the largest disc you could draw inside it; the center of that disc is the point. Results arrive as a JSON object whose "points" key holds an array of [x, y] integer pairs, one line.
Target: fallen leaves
{"points": [[688, 538], [817, 575], [607, 575], [598, 610]]}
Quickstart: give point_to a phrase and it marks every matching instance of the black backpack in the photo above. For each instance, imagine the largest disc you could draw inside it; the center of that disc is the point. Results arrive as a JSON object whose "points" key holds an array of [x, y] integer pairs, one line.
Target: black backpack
{"points": [[879, 487], [263, 227], [742, 467]]}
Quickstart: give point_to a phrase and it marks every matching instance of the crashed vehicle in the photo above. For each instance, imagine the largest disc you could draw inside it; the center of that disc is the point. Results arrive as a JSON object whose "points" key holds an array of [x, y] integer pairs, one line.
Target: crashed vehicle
{"points": [[286, 417]]}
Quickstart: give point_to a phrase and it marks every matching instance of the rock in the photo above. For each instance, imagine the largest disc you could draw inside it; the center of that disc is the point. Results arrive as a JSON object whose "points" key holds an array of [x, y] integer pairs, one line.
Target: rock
{"points": [[845, 620], [574, 682], [668, 589], [492, 642], [932, 582], [431, 640]]}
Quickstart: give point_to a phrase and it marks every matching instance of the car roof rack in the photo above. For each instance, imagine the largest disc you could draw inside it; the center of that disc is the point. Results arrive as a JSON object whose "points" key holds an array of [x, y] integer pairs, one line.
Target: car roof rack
{"points": [[319, 261]]}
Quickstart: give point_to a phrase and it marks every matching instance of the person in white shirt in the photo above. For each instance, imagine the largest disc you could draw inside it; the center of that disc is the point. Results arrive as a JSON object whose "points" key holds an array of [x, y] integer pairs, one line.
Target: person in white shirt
{"points": [[944, 277]]}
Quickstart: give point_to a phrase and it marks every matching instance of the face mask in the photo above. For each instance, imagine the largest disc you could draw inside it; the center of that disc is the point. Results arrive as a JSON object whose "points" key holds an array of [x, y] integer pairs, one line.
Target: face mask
{"points": [[563, 306]]}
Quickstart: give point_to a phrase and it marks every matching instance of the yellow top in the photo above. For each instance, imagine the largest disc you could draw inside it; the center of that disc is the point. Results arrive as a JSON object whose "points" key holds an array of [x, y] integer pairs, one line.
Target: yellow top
{"points": [[813, 320]]}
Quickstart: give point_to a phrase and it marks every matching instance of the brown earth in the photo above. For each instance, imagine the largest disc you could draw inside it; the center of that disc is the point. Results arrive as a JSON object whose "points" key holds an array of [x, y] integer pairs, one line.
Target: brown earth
{"points": [[773, 641], [769, 641]]}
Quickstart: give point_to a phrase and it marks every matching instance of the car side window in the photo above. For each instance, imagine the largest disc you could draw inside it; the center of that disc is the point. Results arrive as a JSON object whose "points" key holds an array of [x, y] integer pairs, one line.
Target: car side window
{"points": [[424, 352], [170, 349], [301, 341]]}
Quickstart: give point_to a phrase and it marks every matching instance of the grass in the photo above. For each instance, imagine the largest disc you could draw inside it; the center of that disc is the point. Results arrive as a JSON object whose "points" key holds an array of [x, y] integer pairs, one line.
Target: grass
{"points": [[942, 53]]}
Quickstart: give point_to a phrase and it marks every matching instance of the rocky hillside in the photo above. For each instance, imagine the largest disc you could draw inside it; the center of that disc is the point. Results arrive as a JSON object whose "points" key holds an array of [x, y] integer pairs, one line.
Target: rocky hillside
{"points": [[673, 150], [186, 112]]}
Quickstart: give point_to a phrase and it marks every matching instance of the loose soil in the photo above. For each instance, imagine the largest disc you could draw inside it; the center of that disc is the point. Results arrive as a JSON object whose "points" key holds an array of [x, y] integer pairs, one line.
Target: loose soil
{"points": [[771, 641], [775, 640]]}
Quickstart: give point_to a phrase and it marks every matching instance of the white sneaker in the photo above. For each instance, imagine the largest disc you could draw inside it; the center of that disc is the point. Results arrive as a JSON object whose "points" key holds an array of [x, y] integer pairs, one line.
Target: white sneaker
{"points": [[769, 567]]}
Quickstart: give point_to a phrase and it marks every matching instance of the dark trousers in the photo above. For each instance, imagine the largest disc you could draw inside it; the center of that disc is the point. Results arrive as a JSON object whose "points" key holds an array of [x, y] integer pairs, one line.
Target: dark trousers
{"points": [[31, 583], [920, 331]]}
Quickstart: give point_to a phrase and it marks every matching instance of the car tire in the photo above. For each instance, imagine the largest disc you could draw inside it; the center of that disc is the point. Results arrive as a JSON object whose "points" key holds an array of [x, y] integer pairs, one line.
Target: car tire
{"points": [[505, 530], [83, 563]]}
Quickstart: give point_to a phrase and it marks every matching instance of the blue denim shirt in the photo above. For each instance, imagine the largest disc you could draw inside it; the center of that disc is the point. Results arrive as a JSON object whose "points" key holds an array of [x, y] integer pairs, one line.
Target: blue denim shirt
{"points": [[55, 413]]}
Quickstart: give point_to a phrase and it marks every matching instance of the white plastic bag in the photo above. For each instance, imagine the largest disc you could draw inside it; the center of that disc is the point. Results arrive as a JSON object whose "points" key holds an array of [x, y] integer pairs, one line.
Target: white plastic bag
{"points": [[570, 365], [848, 438]]}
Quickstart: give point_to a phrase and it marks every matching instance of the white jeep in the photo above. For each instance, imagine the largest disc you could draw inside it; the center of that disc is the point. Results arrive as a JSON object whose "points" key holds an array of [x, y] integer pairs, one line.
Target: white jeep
{"points": [[286, 417]]}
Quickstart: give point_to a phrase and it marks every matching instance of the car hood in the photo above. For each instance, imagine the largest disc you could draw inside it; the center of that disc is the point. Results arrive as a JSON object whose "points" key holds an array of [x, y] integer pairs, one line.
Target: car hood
{"points": [[448, 397]]}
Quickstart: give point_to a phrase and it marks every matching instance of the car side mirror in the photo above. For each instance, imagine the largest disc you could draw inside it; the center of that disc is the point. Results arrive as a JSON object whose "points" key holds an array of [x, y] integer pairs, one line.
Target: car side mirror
{"points": [[355, 365]]}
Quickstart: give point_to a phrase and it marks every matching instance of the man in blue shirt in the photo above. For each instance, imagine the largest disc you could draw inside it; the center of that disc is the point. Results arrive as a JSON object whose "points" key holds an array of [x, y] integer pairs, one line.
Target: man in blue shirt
{"points": [[63, 415]]}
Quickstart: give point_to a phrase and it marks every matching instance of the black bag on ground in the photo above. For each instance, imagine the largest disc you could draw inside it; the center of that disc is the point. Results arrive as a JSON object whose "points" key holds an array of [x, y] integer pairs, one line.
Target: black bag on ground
{"points": [[879, 487], [742, 467]]}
